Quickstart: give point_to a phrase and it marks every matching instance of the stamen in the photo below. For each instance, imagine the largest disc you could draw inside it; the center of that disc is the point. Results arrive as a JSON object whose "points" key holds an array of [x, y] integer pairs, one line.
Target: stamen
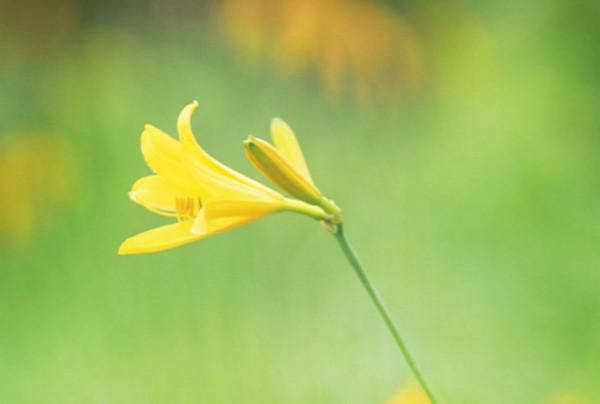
{"points": [[187, 207]]}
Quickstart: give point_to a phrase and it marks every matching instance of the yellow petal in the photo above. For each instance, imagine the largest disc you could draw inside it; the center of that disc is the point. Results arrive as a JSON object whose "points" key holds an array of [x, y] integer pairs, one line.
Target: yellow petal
{"points": [[248, 208], [156, 194], [166, 157], [160, 239], [174, 235], [273, 165], [221, 224], [202, 226], [286, 142], [189, 143]]}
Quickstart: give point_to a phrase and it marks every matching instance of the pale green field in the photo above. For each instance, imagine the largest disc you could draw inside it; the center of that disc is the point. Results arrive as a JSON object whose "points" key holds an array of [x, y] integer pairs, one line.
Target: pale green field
{"points": [[475, 208]]}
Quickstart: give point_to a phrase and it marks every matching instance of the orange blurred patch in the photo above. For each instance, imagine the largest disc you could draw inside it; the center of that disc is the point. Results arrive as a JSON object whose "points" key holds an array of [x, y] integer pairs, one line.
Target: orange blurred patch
{"points": [[354, 46]]}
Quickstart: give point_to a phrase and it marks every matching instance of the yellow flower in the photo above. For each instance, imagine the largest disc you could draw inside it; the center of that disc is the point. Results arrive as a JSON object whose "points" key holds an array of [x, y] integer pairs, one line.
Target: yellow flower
{"points": [[410, 394], [284, 165], [205, 196]]}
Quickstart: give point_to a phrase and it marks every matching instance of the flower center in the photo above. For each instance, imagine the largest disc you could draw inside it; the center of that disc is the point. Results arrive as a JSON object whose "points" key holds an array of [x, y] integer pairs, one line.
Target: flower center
{"points": [[187, 207]]}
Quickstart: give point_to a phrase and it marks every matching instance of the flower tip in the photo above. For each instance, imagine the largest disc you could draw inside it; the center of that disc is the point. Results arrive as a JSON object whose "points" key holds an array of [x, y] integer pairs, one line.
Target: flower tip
{"points": [[146, 138], [147, 130], [123, 249], [187, 111], [276, 122], [184, 124], [147, 127], [252, 144], [250, 140]]}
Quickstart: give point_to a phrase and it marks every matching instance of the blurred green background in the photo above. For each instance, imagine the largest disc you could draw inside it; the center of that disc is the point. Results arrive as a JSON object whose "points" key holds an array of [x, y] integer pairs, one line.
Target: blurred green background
{"points": [[460, 139]]}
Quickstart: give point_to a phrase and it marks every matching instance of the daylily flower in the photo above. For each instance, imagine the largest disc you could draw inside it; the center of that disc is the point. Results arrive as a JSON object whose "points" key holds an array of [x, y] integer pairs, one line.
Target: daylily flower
{"points": [[284, 165], [205, 196]]}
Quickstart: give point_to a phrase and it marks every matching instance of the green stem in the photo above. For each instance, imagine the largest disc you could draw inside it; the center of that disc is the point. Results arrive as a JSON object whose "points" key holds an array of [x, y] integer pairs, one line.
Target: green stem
{"points": [[304, 208], [362, 275]]}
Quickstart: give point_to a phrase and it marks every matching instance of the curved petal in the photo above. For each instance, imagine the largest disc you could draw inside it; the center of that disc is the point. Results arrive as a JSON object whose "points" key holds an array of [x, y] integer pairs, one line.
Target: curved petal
{"points": [[156, 194], [166, 157], [160, 239], [189, 143], [285, 140], [177, 234]]}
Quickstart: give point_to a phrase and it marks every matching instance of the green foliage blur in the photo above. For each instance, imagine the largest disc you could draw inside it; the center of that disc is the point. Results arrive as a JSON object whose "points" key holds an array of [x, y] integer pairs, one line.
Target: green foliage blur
{"points": [[470, 187]]}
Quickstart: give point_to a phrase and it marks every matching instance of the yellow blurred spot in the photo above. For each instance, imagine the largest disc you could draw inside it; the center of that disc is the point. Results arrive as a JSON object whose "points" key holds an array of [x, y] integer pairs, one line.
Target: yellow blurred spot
{"points": [[36, 181], [410, 394], [567, 398], [464, 61]]}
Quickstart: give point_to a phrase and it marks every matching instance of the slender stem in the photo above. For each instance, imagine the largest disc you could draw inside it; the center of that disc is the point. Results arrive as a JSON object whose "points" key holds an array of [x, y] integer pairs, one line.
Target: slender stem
{"points": [[362, 275]]}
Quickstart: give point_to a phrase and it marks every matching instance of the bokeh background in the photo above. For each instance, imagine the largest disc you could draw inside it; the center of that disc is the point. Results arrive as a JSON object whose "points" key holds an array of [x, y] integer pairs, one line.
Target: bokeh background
{"points": [[460, 138]]}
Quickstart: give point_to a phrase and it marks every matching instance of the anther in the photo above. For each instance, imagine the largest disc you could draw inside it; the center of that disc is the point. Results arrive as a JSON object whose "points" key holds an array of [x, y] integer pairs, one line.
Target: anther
{"points": [[187, 207]]}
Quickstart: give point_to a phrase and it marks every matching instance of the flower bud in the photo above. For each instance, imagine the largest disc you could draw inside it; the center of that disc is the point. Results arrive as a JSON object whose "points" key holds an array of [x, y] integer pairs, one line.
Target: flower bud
{"points": [[273, 165]]}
